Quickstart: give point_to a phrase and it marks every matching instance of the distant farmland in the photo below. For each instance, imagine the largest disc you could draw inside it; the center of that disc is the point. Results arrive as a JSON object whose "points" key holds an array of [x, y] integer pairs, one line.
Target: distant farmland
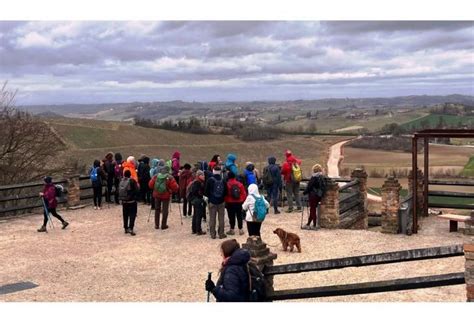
{"points": [[433, 120]]}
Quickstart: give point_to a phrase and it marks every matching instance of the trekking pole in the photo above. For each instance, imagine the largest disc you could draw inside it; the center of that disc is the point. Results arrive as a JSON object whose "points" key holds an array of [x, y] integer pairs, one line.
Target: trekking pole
{"points": [[180, 212], [209, 274], [149, 215], [302, 212], [51, 225]]}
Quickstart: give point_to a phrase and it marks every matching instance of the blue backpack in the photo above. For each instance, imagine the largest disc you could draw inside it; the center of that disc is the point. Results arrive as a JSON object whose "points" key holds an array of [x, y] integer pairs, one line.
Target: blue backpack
{"points": [[259, 210], [94, 175]]}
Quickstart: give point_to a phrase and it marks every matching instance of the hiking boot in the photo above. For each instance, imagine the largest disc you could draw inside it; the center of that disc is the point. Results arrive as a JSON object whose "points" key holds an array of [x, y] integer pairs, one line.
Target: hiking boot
{"points": [[289, 210], [65, 224], [127, 231], [95, 207], [164, 227], [315, 228], [213, 236], [306, 227], [230, 232], [222, 236], [241, 232], [277, 212], [157, 227], [42, 229], [201, 233], [132, 233], [298, 208]]}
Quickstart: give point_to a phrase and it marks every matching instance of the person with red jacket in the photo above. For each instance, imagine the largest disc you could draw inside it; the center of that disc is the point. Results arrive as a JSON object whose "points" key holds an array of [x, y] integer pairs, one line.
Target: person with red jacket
{"points": [[163, 185], [185, 178], [49, 197], [236, 195], [292, 187]]}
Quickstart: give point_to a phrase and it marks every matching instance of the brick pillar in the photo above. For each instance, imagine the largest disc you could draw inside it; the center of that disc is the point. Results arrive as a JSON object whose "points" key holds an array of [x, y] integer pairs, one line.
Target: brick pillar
{"points": [[361, 175], [390, 205], [74, 191], [329, 217], [419, 189], [469, 257], [261, 256]]}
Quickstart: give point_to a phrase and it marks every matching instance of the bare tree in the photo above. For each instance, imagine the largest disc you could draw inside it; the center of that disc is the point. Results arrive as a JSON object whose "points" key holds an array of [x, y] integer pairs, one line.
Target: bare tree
{"points": [[28, 147]]}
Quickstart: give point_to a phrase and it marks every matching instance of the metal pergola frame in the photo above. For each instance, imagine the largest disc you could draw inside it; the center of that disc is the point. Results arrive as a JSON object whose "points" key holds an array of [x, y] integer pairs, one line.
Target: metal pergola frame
{"points": [[426, 135]]}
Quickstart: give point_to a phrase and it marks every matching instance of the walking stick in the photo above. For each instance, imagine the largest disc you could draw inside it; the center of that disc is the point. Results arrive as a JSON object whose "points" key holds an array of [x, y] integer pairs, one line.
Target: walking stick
{"points": [[47, 213], [302, 212], [180, 212], [149, 215], [209, 274]]}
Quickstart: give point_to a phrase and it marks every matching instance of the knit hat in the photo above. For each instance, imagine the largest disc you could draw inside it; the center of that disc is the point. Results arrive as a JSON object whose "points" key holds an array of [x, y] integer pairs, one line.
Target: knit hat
{"points": [[48, 179], [165, 170]]}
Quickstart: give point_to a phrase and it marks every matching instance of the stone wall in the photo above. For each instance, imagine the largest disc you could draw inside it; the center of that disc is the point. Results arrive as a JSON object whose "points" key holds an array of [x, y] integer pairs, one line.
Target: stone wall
{"points": [[329, 217], [363, 222], [390, 205]]}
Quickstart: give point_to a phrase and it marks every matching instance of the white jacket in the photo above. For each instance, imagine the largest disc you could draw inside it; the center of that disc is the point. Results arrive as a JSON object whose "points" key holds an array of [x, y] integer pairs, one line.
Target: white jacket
{"points": [[249, 204]]}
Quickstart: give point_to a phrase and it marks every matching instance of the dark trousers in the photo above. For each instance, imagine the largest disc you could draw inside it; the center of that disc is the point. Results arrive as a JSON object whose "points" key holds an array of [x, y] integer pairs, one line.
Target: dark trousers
{"points": [[254, 228], [97, 195], [159, 205], [234, 210], [54, 213], [145, 193], [116, 194], [108, 193], [129, 211], [313, 205], [273, 196], [187, 207], [199, 212], [175, 196]]}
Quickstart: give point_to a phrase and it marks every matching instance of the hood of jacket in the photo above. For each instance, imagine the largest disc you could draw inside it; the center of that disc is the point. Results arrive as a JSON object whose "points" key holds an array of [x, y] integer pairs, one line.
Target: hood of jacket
{"points": [[154, 162], [253, 190], [272, 160], [291, 159], [176, 155], [240, 257], [231, 158]]}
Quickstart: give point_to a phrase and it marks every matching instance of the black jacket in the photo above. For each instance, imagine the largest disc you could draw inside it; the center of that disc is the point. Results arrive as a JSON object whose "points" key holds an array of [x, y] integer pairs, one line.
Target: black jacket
{"points": [[233, 283], [314, 185]]}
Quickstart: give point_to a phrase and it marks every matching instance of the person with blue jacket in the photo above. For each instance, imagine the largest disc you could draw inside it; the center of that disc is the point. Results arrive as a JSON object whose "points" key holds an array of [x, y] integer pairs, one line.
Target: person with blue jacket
{"points": [[233, 282], [230, 165]]}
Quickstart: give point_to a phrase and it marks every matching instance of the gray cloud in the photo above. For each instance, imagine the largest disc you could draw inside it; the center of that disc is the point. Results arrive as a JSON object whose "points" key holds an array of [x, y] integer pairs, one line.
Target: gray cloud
{"points": [[53, 62]]}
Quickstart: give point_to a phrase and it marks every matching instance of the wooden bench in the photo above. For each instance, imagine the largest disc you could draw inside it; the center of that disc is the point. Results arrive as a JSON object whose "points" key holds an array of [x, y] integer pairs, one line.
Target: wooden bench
{"points": [[453, 220]]}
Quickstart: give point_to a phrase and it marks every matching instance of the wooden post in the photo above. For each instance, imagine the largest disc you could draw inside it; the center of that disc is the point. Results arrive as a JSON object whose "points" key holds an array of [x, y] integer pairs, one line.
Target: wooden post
{"points": [[426, 145], [414, 162]]}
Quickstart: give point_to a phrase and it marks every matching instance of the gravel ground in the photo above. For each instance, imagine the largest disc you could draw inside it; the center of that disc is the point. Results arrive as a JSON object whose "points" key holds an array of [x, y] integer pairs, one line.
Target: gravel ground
{"points": [[93, 260]]}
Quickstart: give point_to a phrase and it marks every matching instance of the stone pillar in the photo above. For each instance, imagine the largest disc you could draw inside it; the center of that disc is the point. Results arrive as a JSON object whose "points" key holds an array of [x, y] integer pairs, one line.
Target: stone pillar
{"points": [[469, 257], [419, 189], [74, 191], [390, 205], [361, 175], [261, 256], [329, 217]]}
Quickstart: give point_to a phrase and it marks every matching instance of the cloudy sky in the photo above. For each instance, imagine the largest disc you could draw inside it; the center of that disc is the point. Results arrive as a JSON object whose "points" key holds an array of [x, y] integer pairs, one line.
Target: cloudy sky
{"points": [[98, 62]]}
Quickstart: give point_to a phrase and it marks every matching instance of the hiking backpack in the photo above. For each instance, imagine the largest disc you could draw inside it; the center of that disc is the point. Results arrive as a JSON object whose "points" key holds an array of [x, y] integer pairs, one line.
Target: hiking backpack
{"points": [[124, 189], [257, 287], [259, 209], [296, 172], [189, 191], [235, 191], [59, 191], [94, 174], [218, 188], [321, 190], [267, 176], [160, 184]]}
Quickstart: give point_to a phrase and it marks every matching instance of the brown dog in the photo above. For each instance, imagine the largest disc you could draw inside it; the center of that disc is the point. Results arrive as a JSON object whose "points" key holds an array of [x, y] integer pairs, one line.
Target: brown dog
{"points": [[288, 239]]}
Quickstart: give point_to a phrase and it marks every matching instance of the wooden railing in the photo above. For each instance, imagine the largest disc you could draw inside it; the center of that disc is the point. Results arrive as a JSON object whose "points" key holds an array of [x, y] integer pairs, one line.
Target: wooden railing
{"points": [[467, 196], [367, 260]]}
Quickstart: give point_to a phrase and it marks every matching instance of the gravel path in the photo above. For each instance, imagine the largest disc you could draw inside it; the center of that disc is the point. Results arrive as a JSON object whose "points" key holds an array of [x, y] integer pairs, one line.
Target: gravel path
{"points": [[93, 260]]}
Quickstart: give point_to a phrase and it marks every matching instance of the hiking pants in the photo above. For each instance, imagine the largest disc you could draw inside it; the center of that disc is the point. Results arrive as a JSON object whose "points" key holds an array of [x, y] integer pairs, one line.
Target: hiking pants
{"points": [[145, 193], [313, 205], [54, 213], [199, 212], [129, 211], [97, 195], [176, 197], [254, 228], [187, 207], [108, 193], [216, 210], [272, 196], [159, 205], [234, 210], [293, 190], [116, 194]]}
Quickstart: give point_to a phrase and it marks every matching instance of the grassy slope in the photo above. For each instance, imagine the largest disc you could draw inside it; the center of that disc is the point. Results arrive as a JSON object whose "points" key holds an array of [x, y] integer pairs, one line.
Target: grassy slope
{"points": [[469, 168], [433, 121], [370, 123], [90, 139]]}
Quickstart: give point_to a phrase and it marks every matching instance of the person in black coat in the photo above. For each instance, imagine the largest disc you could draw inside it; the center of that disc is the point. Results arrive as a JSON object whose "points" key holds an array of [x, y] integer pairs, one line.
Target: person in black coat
{"points": [[233, 282], [315, 190]]}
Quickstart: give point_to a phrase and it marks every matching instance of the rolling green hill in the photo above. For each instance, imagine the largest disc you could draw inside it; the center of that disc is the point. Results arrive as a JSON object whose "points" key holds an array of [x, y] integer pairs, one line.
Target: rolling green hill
{"points": [[433, 121]]}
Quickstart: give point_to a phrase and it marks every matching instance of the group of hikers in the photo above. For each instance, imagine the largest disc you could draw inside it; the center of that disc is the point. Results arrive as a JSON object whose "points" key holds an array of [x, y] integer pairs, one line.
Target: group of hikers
{"points": [[215, 186]]}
